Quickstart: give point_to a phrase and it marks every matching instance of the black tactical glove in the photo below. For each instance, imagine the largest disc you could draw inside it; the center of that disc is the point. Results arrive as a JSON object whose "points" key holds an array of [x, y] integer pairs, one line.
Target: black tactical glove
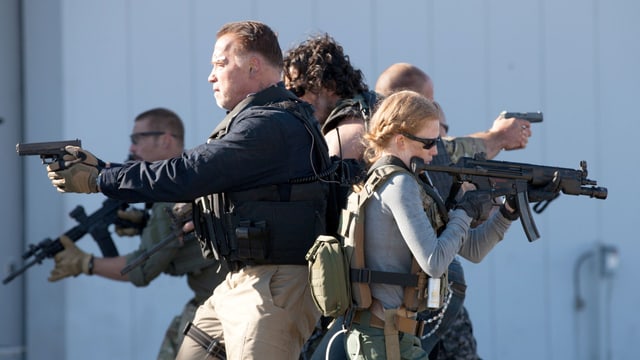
{"points": [[476, 203], [512, 202]]}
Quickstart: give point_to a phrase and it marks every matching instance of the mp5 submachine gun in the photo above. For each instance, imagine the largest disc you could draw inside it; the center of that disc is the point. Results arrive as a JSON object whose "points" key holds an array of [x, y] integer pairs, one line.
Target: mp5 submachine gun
{"points": [[518, 179]]}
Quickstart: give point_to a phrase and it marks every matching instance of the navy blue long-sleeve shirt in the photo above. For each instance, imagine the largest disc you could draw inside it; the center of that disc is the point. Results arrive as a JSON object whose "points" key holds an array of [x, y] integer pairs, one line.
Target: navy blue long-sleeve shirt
{"points": [[264, 145]]}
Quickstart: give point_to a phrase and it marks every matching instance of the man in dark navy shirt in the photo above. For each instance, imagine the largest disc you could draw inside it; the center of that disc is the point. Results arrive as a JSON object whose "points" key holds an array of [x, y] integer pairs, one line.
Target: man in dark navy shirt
{"points": [[259, 202]]}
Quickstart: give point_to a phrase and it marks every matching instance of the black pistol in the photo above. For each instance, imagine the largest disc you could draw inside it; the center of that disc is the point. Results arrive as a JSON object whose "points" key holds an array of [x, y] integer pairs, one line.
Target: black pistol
{"points": [[49, 152], [532, 117]]}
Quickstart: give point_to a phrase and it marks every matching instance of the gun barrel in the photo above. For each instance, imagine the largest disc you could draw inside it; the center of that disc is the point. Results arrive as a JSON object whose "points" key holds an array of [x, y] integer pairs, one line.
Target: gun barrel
{"points": [[594, 192], [18, 272], [43, 149], [154, 249]]}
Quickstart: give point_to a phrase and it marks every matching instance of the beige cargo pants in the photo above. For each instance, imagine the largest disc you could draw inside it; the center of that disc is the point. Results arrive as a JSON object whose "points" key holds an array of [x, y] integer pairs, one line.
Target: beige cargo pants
{"points": [[260, 312]]}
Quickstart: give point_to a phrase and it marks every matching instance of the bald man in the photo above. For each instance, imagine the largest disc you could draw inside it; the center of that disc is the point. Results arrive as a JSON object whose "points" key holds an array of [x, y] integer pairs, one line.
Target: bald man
{"points": [[404, 76], [504, 134]]}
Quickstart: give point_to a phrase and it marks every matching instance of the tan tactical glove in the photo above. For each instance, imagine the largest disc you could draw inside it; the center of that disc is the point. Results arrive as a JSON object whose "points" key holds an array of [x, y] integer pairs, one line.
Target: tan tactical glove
{"points": [[133, 221], [71, 261], [182, 211], [79, 178], [76, 172]]}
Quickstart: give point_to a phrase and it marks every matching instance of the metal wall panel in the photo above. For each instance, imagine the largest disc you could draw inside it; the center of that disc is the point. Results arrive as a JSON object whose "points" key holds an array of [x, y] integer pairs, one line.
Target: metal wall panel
{"points": [[91, 66]]}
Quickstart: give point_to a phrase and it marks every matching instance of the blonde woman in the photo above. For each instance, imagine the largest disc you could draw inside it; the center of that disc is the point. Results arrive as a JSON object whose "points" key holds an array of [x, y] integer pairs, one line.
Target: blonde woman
{"points": [[403, 224]]}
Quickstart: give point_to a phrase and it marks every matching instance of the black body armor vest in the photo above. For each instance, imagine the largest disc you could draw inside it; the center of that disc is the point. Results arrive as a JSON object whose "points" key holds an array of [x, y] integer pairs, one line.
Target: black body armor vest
{"points": [[274, 224]]}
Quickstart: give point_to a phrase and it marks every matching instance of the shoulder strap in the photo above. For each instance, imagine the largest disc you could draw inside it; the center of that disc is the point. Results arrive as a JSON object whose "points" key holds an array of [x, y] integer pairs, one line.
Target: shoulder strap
{"points": [[359, 272]]}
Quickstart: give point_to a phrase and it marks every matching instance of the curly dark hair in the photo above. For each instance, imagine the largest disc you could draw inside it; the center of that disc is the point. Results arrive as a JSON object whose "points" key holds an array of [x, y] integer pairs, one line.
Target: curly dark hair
{"points": [[319, 62]]}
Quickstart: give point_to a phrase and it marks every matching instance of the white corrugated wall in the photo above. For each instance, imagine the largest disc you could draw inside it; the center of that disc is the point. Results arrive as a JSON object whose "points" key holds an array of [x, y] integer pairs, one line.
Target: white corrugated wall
{"points": [[91, 66]]}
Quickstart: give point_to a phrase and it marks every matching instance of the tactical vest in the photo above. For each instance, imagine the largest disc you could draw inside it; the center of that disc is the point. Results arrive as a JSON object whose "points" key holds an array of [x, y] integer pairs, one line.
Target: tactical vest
{"points": [[274, 224], [361, 105], [350, 171], [352, 231]]}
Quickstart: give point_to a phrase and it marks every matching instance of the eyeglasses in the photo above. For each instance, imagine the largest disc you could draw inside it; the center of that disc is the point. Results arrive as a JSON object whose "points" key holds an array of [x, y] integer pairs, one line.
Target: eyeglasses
{"points": [[136, 137], [427, 143]]}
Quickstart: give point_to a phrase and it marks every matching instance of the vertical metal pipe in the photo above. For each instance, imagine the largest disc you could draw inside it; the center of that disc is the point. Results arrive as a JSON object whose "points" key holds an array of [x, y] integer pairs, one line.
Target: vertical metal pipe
{"points": [[11, 191]]}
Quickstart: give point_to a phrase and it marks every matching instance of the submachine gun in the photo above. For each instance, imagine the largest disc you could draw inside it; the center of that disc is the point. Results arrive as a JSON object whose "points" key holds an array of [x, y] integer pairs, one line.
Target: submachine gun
{"points": [[509, 178]]}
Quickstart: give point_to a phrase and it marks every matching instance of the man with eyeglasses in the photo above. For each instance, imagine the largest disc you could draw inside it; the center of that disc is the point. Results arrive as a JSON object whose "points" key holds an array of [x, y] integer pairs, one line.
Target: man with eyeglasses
{"points": [[455, 340], [158, 134]]}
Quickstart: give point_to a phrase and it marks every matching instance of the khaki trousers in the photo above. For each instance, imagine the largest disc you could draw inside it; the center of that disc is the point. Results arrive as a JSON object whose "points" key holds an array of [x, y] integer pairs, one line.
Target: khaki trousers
{"points": [[259, 312]]}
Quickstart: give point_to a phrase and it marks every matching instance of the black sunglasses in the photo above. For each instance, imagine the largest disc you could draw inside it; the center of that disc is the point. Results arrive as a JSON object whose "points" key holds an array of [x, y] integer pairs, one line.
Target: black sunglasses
{"points": [[427, 143], [135, 137]]}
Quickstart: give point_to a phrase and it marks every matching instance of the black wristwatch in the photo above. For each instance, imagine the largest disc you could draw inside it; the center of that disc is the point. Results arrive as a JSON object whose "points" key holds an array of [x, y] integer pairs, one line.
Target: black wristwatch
{"points": [[90, 267]]}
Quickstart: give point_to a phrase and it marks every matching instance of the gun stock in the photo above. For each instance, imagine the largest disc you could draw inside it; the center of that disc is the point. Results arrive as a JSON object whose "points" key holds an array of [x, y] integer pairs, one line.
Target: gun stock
{"points": [[518, 179]]}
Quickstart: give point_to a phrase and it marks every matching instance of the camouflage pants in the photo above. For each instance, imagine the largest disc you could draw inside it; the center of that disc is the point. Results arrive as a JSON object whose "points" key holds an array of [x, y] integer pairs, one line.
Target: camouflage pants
{"points": [[458, 343], [173, 336]]}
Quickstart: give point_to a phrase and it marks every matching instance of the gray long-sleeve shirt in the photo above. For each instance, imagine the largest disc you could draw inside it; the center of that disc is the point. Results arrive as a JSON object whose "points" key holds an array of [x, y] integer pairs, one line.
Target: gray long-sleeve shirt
{"points": [[396, 227]]}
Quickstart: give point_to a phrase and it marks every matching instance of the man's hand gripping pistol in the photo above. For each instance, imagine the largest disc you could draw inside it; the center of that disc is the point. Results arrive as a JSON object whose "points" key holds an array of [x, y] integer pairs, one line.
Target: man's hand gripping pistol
{"points": [[69, 167]]}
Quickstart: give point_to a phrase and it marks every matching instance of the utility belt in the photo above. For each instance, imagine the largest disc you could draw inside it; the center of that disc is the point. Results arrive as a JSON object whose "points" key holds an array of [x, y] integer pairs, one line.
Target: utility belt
{"points": [[420, 291], [426, 293], [393, 322], [403, 321], [269, 225], [396, 321]]}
